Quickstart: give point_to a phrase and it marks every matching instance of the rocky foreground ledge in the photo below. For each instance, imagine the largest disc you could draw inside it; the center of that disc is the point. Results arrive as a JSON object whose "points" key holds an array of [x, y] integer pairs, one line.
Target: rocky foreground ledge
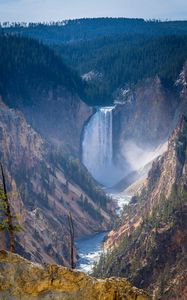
{"points": [[21, 279]]}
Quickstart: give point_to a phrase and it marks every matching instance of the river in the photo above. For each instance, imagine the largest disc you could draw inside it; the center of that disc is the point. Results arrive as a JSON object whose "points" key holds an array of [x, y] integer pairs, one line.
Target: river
{"points": [[90, 248], [89, 251]]}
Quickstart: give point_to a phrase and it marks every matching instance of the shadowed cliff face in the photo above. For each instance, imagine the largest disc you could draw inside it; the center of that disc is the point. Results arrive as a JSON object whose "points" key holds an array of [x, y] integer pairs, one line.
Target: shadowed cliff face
{"points": [[21, 279], [57, 114], [35, 80], [42, 194], [151, 242], [182, 85], [145, 119]]}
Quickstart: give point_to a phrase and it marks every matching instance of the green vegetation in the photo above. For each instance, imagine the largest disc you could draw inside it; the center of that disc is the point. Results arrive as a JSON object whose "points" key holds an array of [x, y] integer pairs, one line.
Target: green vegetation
{"points": [[146, 243], [86, 206], [28, 66], [72, 31], [124, 62], [181, 144], [122, 52], [8, 221], [76, 172], [150, 254]]}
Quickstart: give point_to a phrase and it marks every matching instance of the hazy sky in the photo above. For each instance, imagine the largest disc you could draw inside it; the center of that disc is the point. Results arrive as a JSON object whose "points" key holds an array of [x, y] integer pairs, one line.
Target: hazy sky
{"points": [[46, 10]]}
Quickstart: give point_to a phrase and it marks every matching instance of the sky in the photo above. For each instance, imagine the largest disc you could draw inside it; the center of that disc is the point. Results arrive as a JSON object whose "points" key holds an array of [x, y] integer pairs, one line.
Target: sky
{"points": [[54, 10]]}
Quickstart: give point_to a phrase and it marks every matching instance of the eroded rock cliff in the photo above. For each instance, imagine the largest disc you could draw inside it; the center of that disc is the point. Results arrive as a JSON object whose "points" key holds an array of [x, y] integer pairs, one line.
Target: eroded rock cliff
{"points": [[23, 280], [35, 80], [44, 187], [148, 110], [147, 116], [151, 241], [57, 114]]}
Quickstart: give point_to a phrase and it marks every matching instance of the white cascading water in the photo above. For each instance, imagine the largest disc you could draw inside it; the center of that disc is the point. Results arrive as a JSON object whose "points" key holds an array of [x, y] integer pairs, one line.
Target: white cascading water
{"points": [[97, 146]]}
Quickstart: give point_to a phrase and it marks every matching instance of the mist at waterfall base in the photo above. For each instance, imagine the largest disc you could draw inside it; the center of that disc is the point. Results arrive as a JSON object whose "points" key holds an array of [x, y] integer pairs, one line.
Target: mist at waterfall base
{"points": [[97, 148], [97, 156], [138, 157]]}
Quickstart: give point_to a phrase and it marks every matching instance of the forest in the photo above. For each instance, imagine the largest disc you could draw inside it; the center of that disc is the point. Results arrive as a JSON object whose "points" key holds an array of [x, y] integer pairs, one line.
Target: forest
{"points": [[48, 72], [123, 63], [71, 31], [119, 63], [27, 64], [114, 53]]}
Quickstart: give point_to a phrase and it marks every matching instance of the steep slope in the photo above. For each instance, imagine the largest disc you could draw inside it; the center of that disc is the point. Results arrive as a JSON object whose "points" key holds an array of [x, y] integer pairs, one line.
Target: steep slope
{"points": [[146, 117], [44, 187], [21, 279], [182, 84], [125, 62], [149, 110], [36, 81], [151, 242], [112, 66], [115, 52]]}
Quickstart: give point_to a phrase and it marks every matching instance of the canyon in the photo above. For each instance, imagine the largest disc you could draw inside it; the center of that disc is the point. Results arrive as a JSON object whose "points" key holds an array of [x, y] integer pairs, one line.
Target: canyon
{"points": [[43, 193], [149, 247], [80, 145]]}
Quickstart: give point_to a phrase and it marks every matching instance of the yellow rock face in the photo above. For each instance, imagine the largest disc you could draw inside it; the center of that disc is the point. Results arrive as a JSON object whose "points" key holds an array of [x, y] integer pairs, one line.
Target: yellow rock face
{"points": [[21, 279]]}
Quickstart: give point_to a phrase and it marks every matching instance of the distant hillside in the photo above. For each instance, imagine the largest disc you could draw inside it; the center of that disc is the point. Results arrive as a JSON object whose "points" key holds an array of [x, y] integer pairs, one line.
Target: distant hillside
{"points": [[26, 63], [36, 81], [88, 29], [113, 66], [114, 53]]}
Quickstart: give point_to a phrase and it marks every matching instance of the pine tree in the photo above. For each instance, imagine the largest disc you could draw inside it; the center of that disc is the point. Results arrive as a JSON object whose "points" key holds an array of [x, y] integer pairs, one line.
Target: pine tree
{"points": [[8, 221]]}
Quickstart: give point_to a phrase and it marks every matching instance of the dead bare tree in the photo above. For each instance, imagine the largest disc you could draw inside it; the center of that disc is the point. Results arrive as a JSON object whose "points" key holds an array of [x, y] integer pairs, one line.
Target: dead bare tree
{"points": [[72, 237]]}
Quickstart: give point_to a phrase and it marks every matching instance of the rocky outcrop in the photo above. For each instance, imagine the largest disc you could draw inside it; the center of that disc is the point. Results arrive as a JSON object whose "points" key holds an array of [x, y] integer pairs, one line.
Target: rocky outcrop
{"points": [[44, 187], [23, 280], [151, 241]]}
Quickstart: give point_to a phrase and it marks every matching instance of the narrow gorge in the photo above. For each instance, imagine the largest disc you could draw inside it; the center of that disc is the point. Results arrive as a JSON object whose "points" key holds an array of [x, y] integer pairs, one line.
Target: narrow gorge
{"points": [[93, 148]]}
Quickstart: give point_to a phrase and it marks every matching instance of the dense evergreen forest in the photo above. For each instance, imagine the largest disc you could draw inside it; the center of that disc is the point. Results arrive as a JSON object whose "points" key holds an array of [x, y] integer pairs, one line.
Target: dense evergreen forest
{"points": [[87, 29], [123, 65], [27, 65], [27, 68], [110, 54]]}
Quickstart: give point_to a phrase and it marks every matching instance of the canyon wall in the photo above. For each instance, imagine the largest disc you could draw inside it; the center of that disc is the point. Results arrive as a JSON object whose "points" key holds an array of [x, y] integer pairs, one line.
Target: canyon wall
{"points": [[44, 187], [146, 116], [149, 245], [57, 114]]}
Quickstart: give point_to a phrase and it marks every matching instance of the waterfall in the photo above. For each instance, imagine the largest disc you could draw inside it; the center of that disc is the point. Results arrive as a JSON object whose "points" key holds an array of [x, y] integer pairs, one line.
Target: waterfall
{"points": [[97, 146]]}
